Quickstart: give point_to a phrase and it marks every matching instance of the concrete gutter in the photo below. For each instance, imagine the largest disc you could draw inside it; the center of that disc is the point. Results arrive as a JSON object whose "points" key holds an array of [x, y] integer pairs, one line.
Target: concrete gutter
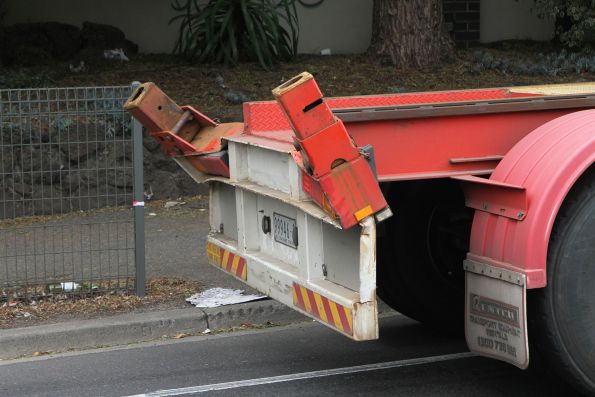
{"points": [[139, 327]]}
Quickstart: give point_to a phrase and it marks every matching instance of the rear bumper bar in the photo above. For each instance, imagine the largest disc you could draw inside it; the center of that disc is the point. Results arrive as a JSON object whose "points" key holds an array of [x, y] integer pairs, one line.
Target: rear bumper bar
{"points": [[334, 286]]}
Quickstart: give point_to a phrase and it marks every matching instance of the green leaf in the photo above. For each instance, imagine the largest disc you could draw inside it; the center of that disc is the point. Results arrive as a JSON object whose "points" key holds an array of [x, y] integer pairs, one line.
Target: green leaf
{"points": [[232, 30]]}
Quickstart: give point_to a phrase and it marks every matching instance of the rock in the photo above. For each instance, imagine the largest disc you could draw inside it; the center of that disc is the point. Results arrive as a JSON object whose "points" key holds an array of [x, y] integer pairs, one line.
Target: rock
{"points": [[105, 37], [116, 54], [147, 165], [40, 163], [162, 161], [236, 97], [12, 208], [162, 184], [188, 186], [123, 177], [35, 43], [116, 150], [165, 179], [47, 200], [70, 181], [31, 44], [107, 175], [20, 190], [70, 164], [171, 204], [130, 47], [150, 143], [66, 39], [30, 56], [98, 197], [77, 144], [17, 41], [8, 159]]}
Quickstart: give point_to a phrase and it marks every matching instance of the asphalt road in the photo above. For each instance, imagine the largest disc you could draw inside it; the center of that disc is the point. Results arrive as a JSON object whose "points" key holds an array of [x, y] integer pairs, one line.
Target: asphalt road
{"points": [[299, 360]]}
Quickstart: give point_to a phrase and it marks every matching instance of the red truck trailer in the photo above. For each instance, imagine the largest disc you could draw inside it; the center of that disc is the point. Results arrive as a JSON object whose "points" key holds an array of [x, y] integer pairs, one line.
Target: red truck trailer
{"points": [[472, 207]]}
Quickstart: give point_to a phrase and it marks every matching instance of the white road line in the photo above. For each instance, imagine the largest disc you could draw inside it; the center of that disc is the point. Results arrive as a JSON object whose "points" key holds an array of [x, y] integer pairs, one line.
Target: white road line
{"points": [[305, 375]]}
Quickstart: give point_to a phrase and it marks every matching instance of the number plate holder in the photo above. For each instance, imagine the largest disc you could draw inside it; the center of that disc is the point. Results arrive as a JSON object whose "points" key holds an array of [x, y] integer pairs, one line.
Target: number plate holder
{"points": [[285, 230]]}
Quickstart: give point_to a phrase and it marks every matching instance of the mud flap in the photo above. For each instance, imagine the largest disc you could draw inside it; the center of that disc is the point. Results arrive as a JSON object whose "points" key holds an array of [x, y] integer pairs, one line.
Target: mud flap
{"points": [[495, 313]]}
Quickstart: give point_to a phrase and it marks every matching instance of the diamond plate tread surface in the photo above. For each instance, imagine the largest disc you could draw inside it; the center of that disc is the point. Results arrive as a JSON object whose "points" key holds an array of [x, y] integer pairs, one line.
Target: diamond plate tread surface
{"points": [[261, 117]]}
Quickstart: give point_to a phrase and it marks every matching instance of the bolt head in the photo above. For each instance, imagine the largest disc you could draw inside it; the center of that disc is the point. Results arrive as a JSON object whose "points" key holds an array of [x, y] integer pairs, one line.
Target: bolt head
{"points": [[520, 215]]}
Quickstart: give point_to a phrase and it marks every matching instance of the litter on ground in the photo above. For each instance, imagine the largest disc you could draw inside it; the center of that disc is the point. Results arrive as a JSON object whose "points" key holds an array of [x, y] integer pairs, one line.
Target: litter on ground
{"points": [[215, 297]]}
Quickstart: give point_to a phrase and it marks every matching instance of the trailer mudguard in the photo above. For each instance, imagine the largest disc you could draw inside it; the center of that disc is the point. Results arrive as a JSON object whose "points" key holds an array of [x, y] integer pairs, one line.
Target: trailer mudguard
{"points": [[547, 163], [508, 253]]}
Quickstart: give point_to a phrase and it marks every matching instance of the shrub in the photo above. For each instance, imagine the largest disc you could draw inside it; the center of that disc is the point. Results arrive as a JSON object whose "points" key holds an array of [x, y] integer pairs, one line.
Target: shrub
{"points": [[28, 78], [575, 19], [226, 31], [554, 64]]}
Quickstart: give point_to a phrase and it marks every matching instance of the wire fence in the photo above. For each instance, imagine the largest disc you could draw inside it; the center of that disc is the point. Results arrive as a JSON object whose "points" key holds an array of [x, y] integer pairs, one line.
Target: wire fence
{"points": [[65, 155]]}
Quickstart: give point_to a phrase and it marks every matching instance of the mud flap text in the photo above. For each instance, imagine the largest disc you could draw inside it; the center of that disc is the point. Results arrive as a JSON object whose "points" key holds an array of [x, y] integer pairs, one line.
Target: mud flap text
{"points": [[495, 320]]}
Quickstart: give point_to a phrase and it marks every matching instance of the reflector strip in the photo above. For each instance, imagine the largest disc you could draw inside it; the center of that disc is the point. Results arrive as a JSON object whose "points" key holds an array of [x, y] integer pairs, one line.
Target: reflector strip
{"points": [[226, 260], [324, 309], [361, 214]]}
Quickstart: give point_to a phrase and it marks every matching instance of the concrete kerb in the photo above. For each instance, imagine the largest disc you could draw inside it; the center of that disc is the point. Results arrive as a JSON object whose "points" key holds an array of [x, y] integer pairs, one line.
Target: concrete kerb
{"points": [[139, 327]]}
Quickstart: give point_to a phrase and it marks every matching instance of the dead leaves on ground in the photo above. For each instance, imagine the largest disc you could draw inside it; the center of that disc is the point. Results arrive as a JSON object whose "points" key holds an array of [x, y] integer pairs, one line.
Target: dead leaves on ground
{"points": [[162, 290]]}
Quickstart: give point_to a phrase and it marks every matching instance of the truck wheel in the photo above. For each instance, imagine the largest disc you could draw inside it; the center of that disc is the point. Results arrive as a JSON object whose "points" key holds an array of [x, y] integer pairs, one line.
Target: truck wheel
{"points": [[420, 255], [562, 319]]}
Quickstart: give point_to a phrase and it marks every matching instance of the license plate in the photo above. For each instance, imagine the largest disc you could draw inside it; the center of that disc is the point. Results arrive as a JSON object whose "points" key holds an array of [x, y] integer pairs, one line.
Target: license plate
{"points": [[285, 230]]}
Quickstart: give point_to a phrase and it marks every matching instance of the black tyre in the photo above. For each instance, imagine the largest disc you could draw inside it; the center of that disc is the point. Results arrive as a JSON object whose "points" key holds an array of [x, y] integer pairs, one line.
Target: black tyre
{"points": [[562, 315], [421, 252]]}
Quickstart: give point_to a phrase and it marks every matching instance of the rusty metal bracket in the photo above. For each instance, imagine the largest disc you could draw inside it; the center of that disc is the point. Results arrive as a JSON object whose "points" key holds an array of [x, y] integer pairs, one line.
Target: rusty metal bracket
{"points": [[183, 131]]}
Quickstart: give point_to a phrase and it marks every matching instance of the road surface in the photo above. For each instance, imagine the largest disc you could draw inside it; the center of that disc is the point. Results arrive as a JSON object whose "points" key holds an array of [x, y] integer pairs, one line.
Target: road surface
{"points": [[299, 360]]}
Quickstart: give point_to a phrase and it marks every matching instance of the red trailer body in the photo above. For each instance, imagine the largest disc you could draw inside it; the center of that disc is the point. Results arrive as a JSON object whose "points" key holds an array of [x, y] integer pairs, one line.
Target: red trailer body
{"points": [[518, 157]]}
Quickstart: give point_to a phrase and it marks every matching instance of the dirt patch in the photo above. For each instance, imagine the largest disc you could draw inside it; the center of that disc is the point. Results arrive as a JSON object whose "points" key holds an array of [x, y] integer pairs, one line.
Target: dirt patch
{"points": [[184, 206], [162, 293], [181, 206], [213, 89]]}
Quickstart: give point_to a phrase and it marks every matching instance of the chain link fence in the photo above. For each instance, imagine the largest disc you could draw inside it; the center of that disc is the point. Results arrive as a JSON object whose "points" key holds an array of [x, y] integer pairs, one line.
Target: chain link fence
{"points": [[67, 182]]}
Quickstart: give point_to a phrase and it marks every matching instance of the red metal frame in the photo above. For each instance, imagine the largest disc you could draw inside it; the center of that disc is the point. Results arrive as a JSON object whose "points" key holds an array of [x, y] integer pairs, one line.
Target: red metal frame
{"points": [[418, 148]]}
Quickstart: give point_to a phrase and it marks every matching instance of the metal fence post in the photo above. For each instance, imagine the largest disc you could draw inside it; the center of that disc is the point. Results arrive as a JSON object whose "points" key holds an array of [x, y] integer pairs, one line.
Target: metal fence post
{"points": [[138, 203]]}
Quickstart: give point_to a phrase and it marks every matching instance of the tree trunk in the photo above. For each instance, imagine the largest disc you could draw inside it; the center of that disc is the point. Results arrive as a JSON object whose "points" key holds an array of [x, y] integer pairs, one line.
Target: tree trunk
{"points": [[410, 32]]}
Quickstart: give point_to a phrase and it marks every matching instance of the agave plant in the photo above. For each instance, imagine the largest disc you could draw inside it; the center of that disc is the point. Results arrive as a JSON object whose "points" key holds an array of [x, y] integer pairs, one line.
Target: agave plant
{"points": [[227, 31]]}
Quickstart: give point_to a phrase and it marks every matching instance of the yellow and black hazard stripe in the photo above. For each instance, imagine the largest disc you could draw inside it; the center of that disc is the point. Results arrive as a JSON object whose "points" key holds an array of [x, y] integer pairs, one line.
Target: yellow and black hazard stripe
{"points": [[324, 309], [226, 260]]}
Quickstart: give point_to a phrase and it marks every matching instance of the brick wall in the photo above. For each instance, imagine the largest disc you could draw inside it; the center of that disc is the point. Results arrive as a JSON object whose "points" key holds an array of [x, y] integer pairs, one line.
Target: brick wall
{"points": [[462, 21]]}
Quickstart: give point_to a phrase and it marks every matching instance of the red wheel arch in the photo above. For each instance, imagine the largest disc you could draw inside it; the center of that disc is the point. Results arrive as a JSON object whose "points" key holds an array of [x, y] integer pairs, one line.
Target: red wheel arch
{"points": [[547, 163]]}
